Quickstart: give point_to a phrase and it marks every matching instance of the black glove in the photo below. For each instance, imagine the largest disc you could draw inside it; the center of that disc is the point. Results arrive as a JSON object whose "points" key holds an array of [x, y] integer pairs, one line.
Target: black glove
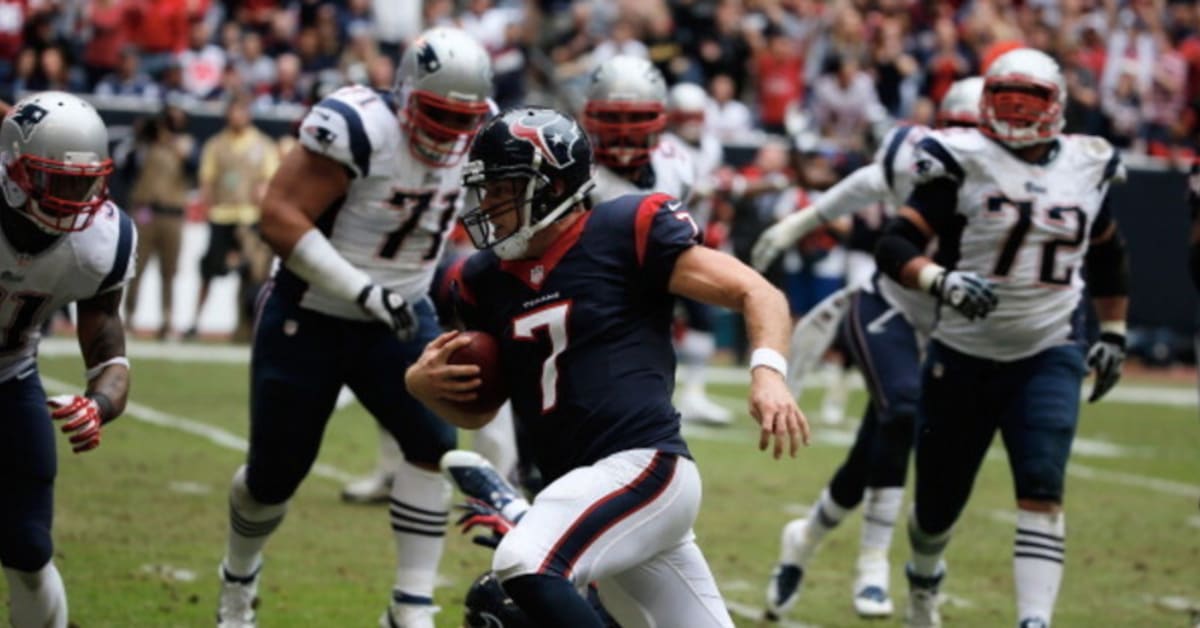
{"points": [[1106, 357], [390, 309]]}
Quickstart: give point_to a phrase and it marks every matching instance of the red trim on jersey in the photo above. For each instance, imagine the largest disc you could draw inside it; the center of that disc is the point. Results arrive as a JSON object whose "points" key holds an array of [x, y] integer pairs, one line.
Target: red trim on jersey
{"points": [[454, 281], [655, 462], [523, 269], [645, 219]]}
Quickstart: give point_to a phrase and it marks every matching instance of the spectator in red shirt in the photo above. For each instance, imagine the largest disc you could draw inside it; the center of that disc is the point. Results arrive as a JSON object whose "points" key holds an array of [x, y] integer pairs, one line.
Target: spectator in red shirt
{"points": [[102, 53], [160, 29], [947, 63], [780, 72]]}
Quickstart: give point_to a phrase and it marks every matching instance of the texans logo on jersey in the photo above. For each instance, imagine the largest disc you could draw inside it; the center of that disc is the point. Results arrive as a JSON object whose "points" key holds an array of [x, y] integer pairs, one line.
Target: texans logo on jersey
{"points": [[550, 133], [27, 118]]}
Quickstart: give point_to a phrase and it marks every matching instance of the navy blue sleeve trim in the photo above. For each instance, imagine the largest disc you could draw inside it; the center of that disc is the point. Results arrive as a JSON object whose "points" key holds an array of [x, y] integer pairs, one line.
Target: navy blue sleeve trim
{"points": [[939, 152], [360, 144], [889, 156], [124, 253], [1110, 168]]}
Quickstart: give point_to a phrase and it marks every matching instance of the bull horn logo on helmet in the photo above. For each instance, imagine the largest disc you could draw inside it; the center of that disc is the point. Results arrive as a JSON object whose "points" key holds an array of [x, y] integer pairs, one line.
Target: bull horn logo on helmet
{"points": [[28, 117], [556, 148]]}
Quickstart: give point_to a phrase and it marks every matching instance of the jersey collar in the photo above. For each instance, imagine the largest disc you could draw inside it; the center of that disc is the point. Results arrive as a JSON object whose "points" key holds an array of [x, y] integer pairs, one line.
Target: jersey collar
{"points": [[534, 272]]}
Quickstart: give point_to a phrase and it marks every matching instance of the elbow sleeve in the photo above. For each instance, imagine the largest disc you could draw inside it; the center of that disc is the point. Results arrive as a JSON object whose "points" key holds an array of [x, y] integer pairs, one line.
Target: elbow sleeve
{"points": [[1108, 268], [900, 243]]}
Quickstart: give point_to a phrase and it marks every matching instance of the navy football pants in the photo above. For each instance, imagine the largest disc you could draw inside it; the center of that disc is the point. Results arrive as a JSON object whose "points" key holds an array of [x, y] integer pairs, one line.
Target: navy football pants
{"points": [[300, 360], [884, 346], [28, 463], [1034, 403]]}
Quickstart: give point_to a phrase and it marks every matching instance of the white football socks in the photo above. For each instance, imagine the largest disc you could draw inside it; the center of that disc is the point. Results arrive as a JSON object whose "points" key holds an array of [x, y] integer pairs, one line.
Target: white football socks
{"points": [[881, 507], [419, 512], [824, 516], [1038, 562], [36, 599], [250, 525]]}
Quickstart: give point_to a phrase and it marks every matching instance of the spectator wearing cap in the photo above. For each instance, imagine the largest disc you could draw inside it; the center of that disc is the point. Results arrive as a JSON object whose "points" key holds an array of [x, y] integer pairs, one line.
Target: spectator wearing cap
{"points": [[128, 79]]}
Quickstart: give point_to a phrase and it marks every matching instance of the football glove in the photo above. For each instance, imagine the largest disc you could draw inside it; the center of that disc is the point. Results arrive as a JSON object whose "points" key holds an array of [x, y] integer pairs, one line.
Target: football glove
{"points": [[81, 417], [782, 235], [478, 513], [966, 292], [390, 309], [1105, 358]]}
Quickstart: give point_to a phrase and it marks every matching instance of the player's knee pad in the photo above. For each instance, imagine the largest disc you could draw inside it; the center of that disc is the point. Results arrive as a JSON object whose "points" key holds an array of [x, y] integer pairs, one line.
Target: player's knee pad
{"points": [[515, 556], [245, 505], [26, 545], [1040, 480]]}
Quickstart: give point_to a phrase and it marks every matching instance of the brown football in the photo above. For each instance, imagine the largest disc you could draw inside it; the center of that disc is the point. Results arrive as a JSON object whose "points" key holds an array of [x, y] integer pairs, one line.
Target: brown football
{"points": [[483, 352]]}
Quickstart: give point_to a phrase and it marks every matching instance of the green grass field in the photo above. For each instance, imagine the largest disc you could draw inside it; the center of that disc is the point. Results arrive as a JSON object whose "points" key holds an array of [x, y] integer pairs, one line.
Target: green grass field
{"points": [[140, 522]]}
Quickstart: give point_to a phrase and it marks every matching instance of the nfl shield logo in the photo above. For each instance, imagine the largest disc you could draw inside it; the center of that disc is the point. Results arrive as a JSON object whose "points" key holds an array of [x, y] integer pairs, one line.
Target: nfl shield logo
{"points": [[537, 274]]}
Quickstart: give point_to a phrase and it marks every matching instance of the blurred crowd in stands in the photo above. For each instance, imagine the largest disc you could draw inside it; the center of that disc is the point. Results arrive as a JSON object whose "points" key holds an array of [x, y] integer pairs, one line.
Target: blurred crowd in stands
{"points": [[800, 90]]}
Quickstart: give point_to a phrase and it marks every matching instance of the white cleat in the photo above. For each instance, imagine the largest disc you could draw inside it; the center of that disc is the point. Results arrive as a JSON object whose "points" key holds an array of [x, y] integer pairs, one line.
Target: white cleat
{"points": [[783, 590], [239, 598], [408, 615], [923, 600], [371, 489], [695, 406], [871, 599]]}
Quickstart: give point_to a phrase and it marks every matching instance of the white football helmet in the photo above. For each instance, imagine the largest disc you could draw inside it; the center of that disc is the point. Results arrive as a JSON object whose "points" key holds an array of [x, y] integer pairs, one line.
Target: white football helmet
{"points": [[443, 83], [686, 107], [625, 111], [960, 105], [1024, 97], [54, 158]]}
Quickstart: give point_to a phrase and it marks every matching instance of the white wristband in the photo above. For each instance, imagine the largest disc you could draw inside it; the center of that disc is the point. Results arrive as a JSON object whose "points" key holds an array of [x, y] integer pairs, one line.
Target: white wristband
{"points": [[928, 275], [316, 261], [95, 371], [769, 358], [1113, 327]]}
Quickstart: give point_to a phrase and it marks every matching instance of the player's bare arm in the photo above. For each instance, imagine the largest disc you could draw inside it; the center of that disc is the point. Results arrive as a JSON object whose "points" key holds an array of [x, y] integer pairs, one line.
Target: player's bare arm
{"points": [[437, 384], [304, 187], [716, 278], [900, 253], [102, 341]]}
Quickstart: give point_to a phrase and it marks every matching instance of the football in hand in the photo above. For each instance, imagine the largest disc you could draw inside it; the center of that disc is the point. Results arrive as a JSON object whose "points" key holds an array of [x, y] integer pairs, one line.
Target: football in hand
{"points": [[483, 352]]}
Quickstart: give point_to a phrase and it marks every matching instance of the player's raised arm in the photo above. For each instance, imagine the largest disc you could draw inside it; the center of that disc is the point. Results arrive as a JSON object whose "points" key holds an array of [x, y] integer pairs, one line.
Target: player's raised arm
{"points": [[713, 277], [864, 186], [1108, 284], [306, 186]]}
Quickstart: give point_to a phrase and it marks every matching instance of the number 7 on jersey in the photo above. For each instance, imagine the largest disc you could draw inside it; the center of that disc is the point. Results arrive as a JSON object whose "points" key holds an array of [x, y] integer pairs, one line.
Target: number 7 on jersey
{"points": [[554, 319]]}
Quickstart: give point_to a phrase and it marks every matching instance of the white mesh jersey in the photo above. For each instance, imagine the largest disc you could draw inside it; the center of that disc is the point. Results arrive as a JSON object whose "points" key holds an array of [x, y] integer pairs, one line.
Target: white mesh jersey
{"points": [[397, 212], [674, 173], [78, 266], [1024, 226]]}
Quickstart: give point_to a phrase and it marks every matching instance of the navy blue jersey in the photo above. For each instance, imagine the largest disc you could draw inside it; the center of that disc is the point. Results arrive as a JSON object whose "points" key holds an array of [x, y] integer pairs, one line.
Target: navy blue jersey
{"points": [[585, 331]]}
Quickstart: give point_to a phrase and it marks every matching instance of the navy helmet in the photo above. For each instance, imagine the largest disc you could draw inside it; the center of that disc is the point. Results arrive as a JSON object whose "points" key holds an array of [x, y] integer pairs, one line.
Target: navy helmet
{"points": [[546, 157]]}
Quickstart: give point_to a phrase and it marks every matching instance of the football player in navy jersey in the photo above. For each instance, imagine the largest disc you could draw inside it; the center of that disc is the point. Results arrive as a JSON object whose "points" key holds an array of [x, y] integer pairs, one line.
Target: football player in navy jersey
{"points": [[61, 241], [580, 301]]}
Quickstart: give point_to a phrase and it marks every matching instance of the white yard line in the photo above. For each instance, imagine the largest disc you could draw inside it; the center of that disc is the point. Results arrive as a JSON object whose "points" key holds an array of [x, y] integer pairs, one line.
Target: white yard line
{"points": [[1176, 396], [211, 433]]}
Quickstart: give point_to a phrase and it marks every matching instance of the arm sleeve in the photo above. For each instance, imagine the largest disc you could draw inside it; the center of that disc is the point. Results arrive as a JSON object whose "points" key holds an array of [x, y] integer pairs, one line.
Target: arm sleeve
{"points": [[902, 240], [862, 188], [663, 229], [1106, 262]]}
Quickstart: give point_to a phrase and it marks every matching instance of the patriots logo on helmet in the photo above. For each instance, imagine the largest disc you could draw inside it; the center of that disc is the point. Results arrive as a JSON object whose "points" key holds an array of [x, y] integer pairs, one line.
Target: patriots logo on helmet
{"points": [[427, 58], [550, 133], [28, 117]]}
